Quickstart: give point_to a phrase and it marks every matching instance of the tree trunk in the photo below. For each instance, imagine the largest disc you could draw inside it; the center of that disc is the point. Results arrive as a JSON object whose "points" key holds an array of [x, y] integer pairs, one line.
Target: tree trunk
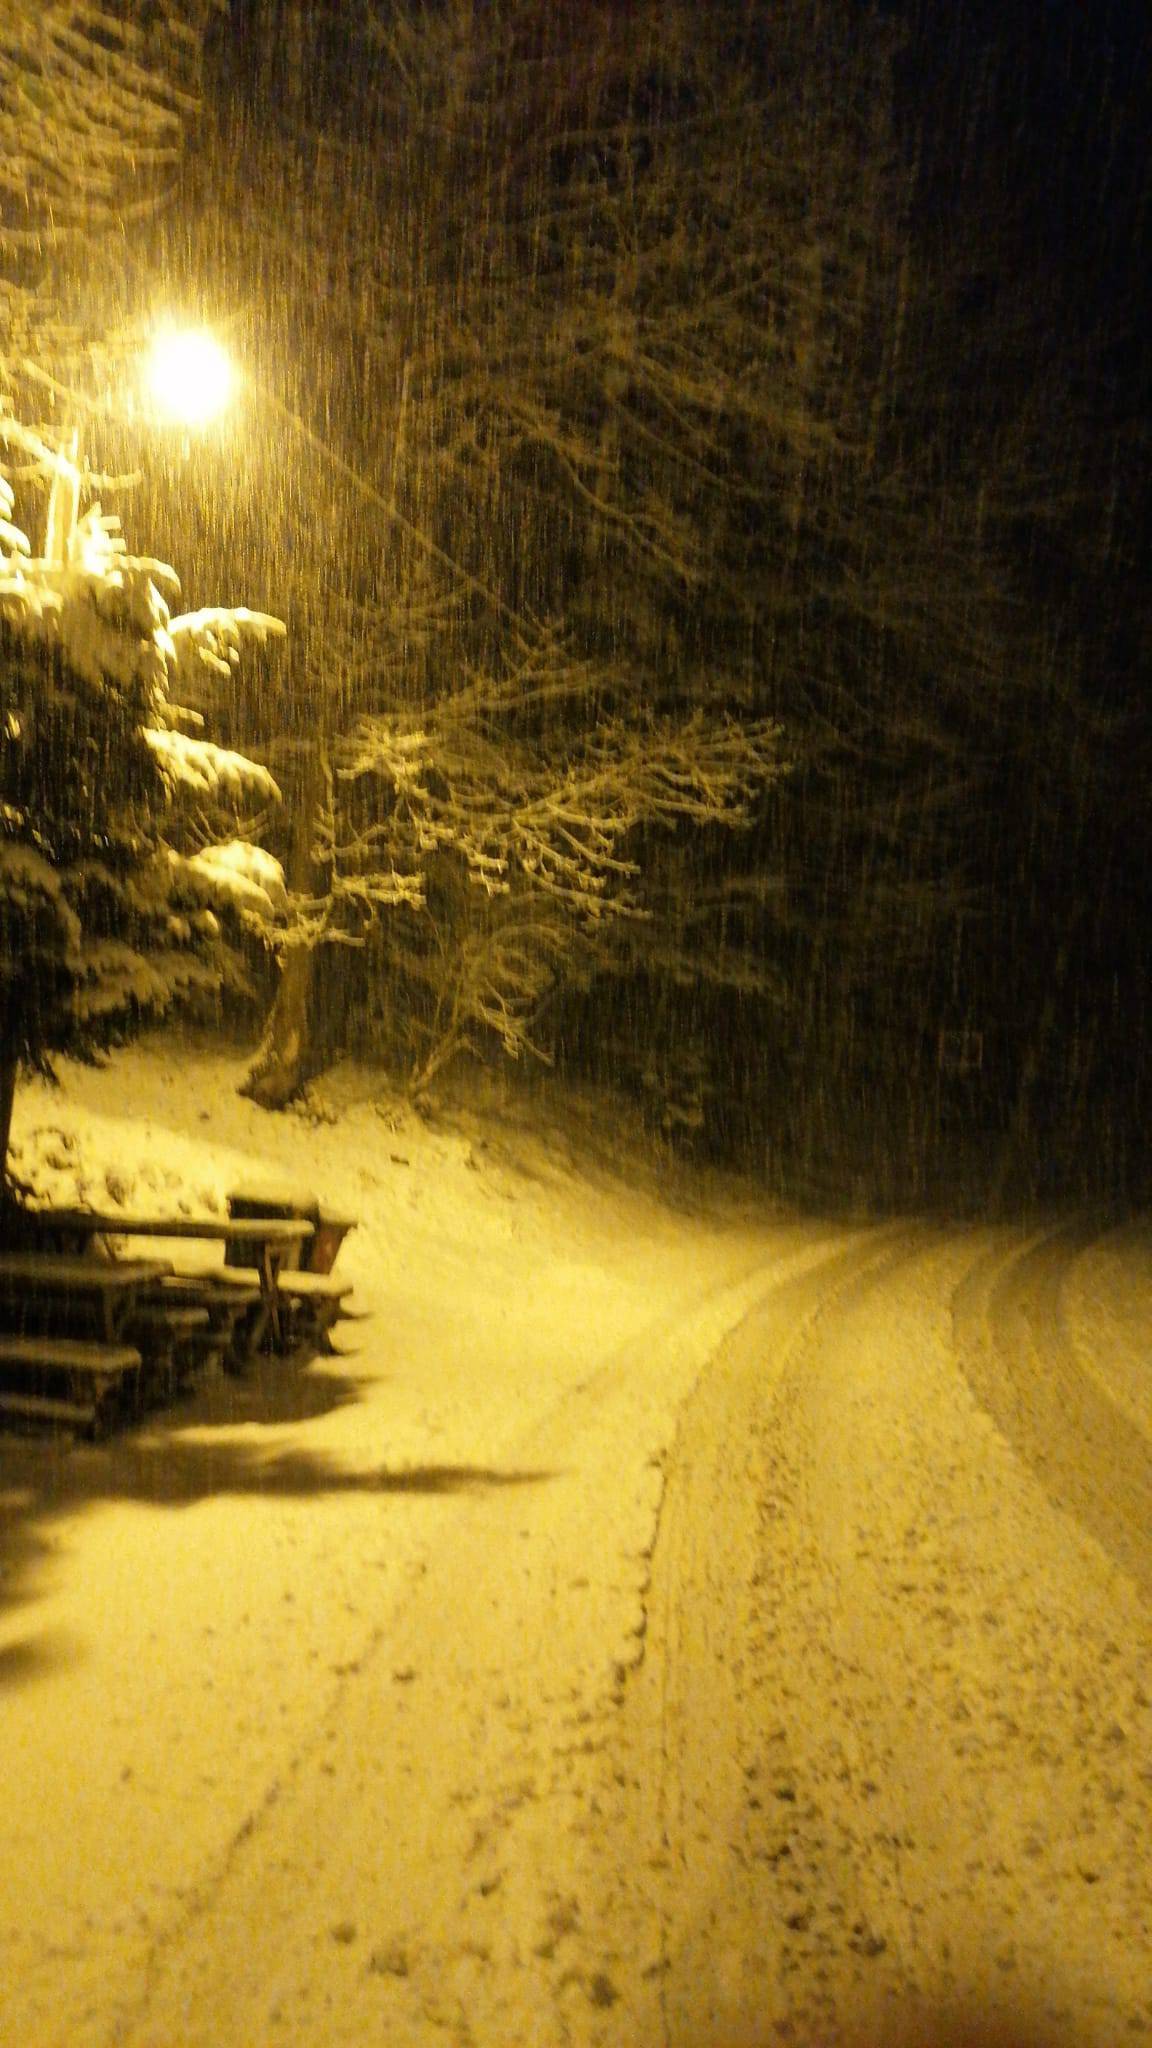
{"points": [[287, 1057], [9, 1071], [1017, 1167]]}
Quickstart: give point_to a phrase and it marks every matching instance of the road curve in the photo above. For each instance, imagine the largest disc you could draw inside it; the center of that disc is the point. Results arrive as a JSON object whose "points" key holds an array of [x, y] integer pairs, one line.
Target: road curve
{"points": [[805, 1695]]}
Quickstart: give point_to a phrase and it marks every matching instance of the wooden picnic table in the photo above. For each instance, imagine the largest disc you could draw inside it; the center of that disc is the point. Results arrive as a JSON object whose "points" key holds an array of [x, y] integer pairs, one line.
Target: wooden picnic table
{"points": [[269, 1238]]}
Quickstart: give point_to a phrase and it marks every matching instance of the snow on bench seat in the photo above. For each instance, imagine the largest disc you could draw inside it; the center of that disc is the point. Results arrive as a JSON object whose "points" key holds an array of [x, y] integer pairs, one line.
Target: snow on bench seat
{"points": [[47, 1408], [69, 1354], [307, 1286], [309, 1304], [95, 1374]]}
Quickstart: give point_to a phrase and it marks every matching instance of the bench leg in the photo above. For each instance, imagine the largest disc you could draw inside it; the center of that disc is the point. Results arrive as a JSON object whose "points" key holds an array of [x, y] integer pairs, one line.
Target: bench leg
{"points": [[270, 1262], [247, 1339]]}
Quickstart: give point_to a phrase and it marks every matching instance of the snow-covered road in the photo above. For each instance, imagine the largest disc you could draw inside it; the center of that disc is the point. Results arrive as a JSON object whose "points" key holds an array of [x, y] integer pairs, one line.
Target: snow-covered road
{"points": [[737, 1637], [933, 1788]]}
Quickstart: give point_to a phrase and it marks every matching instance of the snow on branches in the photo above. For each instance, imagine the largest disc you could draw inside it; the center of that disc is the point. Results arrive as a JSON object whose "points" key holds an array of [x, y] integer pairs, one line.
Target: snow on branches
{"points": [[211, 641], [524, 827], [521, 818], [237, 873], [94, 100], [107, 613], [97, 98], [209, 771]]}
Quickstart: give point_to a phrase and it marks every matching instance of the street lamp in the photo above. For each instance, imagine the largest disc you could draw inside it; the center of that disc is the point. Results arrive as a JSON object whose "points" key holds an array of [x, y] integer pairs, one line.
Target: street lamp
{"points": [[189, 376]]}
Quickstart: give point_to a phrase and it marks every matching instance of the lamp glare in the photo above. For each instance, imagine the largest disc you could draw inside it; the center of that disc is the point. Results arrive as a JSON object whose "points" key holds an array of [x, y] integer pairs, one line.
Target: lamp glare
{"points": [[189, 376]]}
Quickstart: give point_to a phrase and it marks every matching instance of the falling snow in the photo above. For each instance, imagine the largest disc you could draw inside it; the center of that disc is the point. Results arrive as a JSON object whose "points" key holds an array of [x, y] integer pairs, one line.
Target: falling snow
{"points": [[699, 455]]}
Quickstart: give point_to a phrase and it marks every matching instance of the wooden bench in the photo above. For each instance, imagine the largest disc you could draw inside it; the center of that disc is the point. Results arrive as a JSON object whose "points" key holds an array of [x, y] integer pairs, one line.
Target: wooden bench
{"points": [[312, 1303], [46, 1408], [175, 1341], [309, 1305], [97, 1377], [91, 1296], [234, 1306], [244, 1305]]}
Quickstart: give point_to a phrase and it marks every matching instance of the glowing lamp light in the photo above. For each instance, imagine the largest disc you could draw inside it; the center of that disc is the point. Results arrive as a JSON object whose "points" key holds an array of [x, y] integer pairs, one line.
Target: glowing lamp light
{"points": [[189, 376]]}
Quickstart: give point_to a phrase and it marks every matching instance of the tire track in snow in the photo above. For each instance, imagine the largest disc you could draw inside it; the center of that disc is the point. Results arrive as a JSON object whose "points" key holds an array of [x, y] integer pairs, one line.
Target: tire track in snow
{"points": [[674, 1785], [727, 1891], [1015, 1346], [1107, 1304]]}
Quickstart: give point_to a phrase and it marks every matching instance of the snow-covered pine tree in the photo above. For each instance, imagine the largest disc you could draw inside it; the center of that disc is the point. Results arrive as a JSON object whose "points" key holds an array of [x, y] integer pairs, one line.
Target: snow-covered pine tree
{"points": [[116, 900]]}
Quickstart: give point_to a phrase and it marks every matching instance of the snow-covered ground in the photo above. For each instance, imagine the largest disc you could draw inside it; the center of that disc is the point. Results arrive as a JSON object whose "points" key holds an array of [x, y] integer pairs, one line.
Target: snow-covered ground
{"points": [[665, 1623]]}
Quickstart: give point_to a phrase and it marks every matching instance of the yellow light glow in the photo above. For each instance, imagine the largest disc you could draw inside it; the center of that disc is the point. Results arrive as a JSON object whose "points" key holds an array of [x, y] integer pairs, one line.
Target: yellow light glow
{"points": [[189, 376]]}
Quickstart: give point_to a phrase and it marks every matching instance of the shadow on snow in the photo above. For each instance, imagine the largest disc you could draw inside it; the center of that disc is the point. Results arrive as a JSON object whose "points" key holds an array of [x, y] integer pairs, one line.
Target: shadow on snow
{"points": [[159, 1463]]}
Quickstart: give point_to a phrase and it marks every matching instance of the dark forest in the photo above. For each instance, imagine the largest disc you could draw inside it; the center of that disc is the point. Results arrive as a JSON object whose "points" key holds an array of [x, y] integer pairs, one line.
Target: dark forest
{"points": [[700, 458]]}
